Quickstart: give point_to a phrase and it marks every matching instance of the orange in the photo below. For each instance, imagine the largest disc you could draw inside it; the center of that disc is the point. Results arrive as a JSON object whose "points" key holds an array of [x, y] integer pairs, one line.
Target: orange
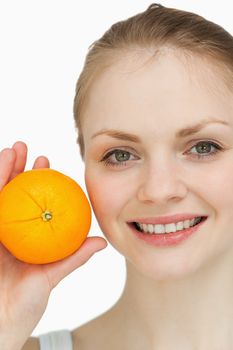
{"points": [[44, 216]]}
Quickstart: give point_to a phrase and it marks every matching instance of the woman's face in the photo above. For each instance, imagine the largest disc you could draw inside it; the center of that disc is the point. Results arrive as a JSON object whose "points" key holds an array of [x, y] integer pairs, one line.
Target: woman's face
{"points": [[159, 170]]}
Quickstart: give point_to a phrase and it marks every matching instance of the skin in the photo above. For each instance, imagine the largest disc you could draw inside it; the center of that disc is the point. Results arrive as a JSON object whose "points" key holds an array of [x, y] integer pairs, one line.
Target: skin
{"points": [[174, 297], [20, 310]]}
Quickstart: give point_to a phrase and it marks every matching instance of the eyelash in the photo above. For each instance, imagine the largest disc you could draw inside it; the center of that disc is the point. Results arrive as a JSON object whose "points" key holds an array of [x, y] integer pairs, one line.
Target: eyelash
{"points": [[107, 162]]}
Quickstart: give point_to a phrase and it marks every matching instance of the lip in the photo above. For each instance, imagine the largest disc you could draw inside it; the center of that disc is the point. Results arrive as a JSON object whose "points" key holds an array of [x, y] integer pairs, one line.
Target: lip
{"points": [[163, 220], [166, 239]]}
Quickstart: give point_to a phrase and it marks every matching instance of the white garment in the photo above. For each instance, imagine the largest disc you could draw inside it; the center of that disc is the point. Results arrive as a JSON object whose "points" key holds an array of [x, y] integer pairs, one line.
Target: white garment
{"points": [[56, 340]]}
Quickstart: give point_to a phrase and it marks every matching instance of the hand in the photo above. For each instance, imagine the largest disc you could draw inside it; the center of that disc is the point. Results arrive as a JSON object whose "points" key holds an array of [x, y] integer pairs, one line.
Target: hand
{"points": [[25, 288]]}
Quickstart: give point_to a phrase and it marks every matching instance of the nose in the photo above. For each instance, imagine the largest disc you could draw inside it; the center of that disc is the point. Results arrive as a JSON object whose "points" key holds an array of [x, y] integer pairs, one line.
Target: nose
{"points": [[161, 182]]}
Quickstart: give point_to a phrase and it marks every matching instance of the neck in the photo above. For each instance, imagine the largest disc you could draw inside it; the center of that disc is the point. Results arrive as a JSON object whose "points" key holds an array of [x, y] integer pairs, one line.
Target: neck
{"points": [[195, 312]]}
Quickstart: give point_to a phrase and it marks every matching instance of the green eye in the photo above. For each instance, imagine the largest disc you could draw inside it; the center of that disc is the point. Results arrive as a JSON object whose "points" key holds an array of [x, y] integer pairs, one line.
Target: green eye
{"points": [[116, 157], [122, 156], [204, 148]]}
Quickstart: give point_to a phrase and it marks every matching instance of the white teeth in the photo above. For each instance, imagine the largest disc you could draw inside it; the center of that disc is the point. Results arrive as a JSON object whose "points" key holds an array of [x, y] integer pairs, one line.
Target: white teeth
{"points": [[151, 228], [169, 228], [160, 229], [186, 223], [172, 227], [179, 225]]}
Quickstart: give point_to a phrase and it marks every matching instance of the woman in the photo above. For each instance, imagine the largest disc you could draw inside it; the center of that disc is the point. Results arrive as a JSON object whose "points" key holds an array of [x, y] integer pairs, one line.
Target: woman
{"points": [[154, 113]]}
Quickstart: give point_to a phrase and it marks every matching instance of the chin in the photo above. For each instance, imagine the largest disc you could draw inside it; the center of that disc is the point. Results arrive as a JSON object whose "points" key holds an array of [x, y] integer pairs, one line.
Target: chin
{"points": [[166, 271]]}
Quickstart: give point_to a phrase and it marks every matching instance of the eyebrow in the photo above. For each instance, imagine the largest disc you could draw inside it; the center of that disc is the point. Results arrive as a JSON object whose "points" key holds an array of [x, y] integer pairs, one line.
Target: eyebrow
{"points": [[187, 131]]}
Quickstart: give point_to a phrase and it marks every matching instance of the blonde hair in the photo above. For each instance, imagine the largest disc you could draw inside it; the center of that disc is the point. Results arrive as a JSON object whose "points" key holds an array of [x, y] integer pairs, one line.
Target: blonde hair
{"points": [[156, 27]]}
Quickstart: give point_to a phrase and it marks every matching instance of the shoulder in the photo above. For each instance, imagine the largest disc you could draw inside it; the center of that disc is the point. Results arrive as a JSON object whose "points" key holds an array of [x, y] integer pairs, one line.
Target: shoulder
{"points": [[84, 335], [61, 339], [31, 344], [98, 334]]}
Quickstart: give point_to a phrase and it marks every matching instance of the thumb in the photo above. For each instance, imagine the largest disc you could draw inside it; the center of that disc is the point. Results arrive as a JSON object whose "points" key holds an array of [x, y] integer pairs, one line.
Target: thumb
{"points": [[58, 270]]}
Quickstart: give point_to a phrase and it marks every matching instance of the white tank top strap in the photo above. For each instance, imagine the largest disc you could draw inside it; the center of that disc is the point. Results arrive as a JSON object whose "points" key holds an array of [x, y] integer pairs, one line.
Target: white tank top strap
{"points": [[56, 340]]}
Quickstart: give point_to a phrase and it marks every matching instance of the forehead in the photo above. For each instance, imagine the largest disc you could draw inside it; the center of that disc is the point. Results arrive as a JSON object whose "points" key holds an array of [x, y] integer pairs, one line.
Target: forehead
{"points": [[166, 84]]}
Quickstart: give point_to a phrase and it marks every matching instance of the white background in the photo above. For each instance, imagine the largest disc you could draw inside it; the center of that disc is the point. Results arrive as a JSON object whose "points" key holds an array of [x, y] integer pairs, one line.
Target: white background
{"points": [[43, 46]]}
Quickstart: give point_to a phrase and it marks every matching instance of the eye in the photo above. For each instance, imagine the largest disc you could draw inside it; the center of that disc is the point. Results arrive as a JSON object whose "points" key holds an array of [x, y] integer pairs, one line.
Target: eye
{"points": [[204, 149], [116, 157], [120, 157]]}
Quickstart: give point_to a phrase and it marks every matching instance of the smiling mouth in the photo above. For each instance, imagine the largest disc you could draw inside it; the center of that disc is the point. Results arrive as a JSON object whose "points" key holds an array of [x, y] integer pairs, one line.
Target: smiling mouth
{"points": [[165, 229]]}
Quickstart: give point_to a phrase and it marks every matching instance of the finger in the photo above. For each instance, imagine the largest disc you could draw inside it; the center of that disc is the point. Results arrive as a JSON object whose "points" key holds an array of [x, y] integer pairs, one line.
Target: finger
{"points": [[41, 162], [20, 149], [6, 259], [7, 160], [60, 269]]}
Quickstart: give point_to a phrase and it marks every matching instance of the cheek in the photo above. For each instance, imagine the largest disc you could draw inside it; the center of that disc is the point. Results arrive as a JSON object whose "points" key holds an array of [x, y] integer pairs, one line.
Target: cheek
{"points": [[109, 193], [218, 184]]}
